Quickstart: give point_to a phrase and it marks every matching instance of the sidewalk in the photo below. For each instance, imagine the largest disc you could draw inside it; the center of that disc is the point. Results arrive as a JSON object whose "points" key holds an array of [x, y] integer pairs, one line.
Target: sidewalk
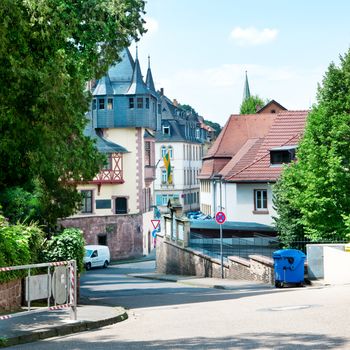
{"points": [[47, 324], [205, 282]]}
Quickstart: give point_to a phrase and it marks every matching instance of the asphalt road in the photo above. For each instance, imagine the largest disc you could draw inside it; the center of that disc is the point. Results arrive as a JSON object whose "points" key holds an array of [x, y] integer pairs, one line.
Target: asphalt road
{"points": [[165, 315]]}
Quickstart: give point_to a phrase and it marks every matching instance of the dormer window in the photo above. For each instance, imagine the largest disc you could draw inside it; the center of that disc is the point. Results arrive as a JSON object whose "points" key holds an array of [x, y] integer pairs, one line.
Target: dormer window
{"points": [[101, 103], [131, 102], [282, 155], [166, 130], [139, 102], [147, 102]]}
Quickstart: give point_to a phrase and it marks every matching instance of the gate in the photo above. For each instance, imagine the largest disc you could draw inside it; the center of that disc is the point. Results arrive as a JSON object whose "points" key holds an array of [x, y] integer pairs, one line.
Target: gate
{"points": [[57, 285]]}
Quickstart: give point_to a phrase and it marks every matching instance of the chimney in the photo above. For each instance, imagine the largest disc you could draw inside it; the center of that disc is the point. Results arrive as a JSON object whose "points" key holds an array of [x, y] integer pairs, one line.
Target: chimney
{"points": [[175, 103], [162, 91]]}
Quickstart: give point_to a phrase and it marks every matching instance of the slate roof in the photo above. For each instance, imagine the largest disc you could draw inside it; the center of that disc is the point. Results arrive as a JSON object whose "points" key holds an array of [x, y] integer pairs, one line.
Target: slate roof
{"points": [[103, 145], [285, 131], [103, 87]]}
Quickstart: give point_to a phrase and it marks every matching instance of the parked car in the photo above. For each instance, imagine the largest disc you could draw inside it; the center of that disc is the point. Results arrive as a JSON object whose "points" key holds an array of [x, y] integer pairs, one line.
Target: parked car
{"points": [[96, 256]]}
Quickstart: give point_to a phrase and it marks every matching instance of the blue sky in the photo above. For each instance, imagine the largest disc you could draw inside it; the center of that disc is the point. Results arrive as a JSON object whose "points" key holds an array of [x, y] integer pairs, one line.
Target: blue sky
{"points": [[200, 50]]}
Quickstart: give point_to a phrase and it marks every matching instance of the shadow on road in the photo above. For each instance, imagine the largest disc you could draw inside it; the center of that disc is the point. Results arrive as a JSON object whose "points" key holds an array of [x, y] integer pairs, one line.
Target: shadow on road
{"points": [[279, 341]]}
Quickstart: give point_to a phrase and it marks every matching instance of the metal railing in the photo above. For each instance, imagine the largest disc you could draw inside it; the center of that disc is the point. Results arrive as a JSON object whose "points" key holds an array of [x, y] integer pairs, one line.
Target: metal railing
{"points": [[58, 285], [301, 245], [238, 246]]}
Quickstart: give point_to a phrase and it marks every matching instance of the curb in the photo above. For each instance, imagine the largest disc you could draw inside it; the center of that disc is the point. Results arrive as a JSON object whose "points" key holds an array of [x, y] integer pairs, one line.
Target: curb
{"points": [[79, 326]]}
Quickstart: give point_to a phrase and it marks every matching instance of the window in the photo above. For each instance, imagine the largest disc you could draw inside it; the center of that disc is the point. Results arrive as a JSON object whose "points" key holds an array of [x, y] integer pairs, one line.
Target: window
{"points": [[164, 176], [159, 109], [166, 130], [110, 103], [108, 164], [121, 205], [131, 102], [282, 155], [198, 133], [139, 102], [164, 199], [94, 104], [163, 151], [102, 239], [101, 103], [170, 150], [260, 200], [147, 153], [86, 201], [147, 102]]}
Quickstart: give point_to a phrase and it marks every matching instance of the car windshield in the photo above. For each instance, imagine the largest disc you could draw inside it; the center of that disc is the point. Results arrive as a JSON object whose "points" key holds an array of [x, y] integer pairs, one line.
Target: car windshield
{"points": [[88, 252]]}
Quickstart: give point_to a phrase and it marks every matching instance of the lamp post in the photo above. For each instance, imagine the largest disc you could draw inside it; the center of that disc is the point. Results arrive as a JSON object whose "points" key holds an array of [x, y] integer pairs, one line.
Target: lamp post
{"points": [[219, 178]]}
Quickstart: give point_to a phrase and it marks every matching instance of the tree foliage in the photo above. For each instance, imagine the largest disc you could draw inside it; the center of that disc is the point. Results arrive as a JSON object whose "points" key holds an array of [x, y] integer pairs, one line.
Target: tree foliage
{"points": [[19, 245], [313, 195], [67, 245], [48, 51], [251, 105]]}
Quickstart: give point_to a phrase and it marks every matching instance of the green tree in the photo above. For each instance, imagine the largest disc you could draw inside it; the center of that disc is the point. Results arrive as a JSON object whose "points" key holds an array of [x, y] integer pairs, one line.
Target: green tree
{"points": [[48, 51], [317, 187], [251, 105], [215, 126]]}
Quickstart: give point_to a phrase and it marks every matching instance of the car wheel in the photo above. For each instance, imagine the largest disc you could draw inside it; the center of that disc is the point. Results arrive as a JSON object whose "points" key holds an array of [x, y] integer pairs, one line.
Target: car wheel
{"points": [[105, 264], [88, 266]]}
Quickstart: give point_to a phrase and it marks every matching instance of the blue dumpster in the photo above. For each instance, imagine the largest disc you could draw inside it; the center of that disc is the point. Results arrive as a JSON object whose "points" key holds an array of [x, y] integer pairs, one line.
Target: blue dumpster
{"points": [[289, 267]]}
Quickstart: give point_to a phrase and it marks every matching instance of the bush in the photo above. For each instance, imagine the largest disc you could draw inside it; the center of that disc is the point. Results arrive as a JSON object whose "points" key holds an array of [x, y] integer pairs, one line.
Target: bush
{"points": [[67, 245], [19, 245]]}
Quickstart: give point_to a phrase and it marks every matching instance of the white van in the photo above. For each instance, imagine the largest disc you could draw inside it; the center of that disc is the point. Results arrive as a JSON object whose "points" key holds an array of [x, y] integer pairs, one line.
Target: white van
{"points": [[96, 256]]}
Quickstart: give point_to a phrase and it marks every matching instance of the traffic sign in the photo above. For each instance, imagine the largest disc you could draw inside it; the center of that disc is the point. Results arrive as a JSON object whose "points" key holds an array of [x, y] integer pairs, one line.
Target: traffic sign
{"points": [[155, 223], [220, 217], [154, 233]]}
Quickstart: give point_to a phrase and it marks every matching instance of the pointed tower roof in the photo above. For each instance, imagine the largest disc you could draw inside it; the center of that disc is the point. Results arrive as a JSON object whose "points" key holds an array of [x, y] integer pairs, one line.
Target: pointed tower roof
{"points": [[122, 71], [137, 85], [104, 87], [149, 78], [246, 91]]}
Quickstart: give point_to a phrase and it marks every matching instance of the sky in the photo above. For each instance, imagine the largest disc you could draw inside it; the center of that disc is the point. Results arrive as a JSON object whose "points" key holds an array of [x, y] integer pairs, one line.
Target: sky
{"points": [[200, 50]]}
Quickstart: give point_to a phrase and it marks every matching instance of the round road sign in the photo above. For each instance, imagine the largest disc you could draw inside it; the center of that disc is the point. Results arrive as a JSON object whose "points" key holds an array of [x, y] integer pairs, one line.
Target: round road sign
{"points": [[220, 217]]}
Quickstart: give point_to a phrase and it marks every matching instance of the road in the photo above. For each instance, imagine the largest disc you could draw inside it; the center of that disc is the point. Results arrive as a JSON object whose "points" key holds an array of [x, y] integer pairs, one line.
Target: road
{"points": [[165, 315]]}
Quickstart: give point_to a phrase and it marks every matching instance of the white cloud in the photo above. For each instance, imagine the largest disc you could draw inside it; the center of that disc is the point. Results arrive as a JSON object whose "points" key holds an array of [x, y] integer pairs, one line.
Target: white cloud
{"points": [[253, 36], [151, 25]]}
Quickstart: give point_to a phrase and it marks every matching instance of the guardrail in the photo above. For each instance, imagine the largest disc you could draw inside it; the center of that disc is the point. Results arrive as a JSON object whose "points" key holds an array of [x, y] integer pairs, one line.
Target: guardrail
{"points": [[58, 284]]}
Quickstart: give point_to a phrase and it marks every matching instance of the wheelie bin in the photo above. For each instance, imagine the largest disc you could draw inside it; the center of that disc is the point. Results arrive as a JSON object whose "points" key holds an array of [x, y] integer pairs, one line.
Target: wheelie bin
{"points": [[289, 267]]}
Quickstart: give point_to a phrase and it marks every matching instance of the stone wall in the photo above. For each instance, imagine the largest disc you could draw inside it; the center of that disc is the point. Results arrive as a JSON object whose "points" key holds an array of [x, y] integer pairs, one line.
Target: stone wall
{"points": [[177, 260], [256, 268], [173, 259], [10, 296], [123, 233]]}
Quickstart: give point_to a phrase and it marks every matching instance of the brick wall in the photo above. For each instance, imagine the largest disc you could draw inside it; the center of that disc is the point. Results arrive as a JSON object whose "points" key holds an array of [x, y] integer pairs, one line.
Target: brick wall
{"points": [[10, 296], [124, 233]]}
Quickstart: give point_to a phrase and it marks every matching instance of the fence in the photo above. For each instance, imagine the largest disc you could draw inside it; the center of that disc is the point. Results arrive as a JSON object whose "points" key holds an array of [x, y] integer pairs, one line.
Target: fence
{"points": [[242, 247], [58, 284]]}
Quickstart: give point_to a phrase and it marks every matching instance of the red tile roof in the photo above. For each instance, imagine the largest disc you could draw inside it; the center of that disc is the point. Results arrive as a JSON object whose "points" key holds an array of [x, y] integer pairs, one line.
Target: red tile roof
{"points": [[235, 134], [242, 151], [285, 131]]}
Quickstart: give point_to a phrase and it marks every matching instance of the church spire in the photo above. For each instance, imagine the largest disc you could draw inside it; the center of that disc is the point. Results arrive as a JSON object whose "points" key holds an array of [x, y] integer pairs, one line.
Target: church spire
{"points": [[149, 78], [246, 91]]}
